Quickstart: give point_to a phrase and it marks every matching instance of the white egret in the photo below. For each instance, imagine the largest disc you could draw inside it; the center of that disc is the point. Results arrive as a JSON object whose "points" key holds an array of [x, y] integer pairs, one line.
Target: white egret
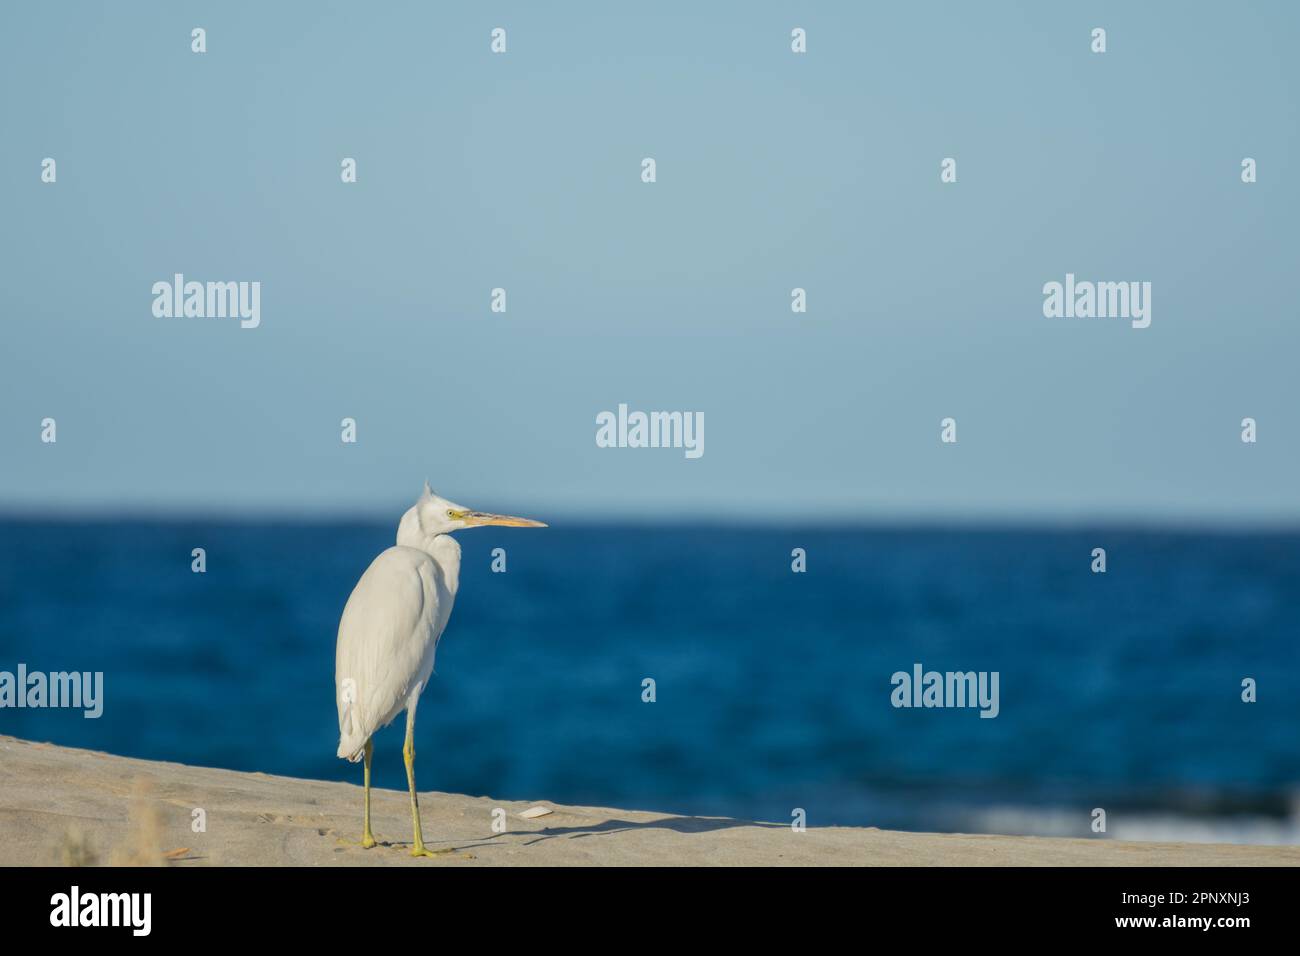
{"points": [[390, 629]]}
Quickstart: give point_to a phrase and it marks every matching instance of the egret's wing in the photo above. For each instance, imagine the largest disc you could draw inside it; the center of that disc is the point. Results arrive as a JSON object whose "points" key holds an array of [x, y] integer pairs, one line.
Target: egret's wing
{"points": [[382, 639]]}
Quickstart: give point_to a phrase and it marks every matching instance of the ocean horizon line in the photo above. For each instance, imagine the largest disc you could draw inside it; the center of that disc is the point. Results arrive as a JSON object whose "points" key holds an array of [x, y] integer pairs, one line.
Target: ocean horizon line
{"points": [[703, 519]]}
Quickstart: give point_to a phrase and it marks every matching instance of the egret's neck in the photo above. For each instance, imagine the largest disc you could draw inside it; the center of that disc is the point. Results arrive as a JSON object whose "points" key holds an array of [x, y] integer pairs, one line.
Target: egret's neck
{"points": [[446, 551], [443, 548]]}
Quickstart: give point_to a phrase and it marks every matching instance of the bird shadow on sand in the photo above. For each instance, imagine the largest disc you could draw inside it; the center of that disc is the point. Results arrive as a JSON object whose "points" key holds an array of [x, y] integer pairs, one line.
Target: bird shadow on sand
{"points": [[675, 824]]}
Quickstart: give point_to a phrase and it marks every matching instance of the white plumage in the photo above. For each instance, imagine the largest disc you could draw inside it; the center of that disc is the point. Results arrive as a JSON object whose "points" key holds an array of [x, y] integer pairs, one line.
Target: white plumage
{"points": [[388, 637], [389, 631]]}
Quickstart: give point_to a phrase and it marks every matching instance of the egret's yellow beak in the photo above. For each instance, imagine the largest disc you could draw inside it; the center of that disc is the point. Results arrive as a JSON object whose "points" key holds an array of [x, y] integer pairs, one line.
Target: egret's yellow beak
{"points": [[475, 519]]}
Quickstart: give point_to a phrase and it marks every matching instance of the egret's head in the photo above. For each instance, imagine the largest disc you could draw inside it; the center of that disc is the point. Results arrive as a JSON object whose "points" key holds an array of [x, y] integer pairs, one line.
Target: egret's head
{"points": [[433, 515]]}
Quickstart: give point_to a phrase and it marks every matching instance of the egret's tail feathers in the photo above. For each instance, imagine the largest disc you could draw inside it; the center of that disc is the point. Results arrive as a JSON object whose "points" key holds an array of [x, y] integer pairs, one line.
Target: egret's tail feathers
{"points": [[351, 749]]}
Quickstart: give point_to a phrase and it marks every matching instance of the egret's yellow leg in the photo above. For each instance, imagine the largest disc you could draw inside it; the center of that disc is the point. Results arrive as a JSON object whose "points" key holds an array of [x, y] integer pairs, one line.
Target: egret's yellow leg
{"points": [[368, 838], [408, 754]]}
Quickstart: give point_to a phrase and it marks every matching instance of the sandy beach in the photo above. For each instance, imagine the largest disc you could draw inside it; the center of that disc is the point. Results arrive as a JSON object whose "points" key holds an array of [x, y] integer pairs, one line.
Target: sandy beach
{"points": [[60, 805]]}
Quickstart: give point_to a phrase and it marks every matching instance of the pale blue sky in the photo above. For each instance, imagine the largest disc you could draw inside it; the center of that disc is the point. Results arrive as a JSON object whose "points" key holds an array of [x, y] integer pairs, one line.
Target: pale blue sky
{"points": [[775, 171]]}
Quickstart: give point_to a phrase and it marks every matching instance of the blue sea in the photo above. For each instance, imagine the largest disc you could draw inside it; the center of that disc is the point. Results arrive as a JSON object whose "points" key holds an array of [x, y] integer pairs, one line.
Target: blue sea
{"points": [[772, 689]]}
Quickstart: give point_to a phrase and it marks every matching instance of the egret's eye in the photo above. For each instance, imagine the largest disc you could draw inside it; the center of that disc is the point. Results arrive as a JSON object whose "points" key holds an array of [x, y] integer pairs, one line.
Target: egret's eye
{"points": [[451, 514]]}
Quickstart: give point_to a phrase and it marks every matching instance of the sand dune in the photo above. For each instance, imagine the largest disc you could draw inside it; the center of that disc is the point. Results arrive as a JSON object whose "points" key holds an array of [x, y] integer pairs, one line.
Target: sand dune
{"points": [[61, 805]]}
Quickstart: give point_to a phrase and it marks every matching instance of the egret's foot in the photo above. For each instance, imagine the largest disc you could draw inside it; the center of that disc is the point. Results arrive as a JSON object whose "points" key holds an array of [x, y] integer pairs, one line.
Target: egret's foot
{"points": [[365, 843], [425, 851]]}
